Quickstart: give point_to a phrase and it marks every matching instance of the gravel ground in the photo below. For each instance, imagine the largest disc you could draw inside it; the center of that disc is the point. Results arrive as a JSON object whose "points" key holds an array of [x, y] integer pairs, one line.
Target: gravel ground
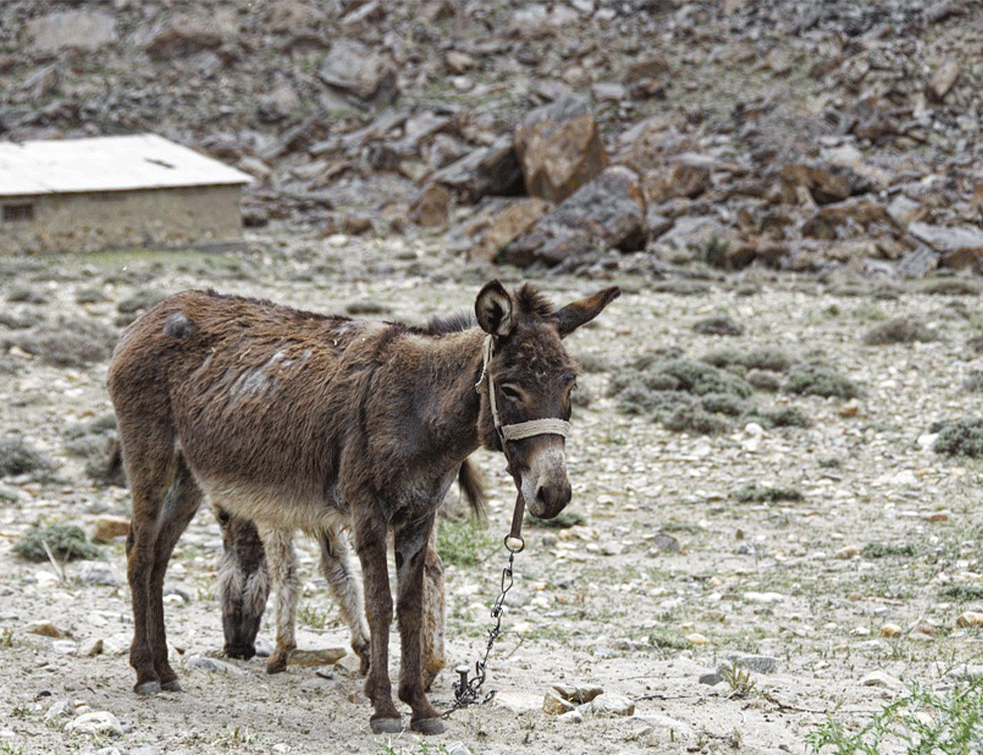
{"points": [[841, 562]]}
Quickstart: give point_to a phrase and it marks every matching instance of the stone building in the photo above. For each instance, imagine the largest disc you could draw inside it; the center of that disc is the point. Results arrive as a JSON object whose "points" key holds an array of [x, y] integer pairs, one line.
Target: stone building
{"points": [[82, 195]]}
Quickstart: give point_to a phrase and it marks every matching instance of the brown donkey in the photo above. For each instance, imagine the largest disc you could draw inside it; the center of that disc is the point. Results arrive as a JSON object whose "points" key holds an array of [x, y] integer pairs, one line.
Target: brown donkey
{"points": [[299, 421]]}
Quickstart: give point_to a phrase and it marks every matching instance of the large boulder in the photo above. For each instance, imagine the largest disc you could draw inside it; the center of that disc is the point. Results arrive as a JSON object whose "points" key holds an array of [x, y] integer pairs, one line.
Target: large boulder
{"points": [[559, 148], [608, 212]]}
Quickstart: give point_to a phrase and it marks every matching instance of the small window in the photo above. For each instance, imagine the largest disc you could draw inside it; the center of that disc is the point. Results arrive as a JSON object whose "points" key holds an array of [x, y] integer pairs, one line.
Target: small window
{"points": [[13, 213]]}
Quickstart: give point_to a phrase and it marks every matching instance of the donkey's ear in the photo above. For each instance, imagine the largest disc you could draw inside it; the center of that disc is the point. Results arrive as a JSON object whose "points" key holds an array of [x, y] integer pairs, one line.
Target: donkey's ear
{"points": [[577, 313], [493, 308]]}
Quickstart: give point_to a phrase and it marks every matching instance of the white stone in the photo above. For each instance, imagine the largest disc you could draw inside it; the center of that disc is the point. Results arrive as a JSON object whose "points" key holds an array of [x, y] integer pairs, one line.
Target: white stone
{"points": [[101, 723]]}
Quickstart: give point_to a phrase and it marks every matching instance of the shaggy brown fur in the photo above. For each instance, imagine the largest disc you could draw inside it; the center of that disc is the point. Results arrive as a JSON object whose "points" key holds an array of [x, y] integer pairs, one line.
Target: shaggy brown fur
{"points": [[299, 421]]}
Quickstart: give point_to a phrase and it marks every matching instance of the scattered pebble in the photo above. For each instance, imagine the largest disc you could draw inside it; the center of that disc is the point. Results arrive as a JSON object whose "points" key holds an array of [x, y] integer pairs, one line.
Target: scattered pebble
{"points": [[100, 723]]}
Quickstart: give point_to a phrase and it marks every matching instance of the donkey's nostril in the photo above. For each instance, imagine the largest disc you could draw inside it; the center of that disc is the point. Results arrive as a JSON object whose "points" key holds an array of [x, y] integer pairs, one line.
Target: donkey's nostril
{"points": [[551, 499]]}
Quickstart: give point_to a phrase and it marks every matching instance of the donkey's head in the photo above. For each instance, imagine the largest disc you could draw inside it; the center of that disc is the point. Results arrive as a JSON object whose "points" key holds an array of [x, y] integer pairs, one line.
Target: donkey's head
{"points": [[243, 584], [527, 381]]}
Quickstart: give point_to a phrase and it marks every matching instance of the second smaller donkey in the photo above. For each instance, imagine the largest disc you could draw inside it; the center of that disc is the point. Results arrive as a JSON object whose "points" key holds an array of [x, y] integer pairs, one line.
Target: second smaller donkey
{"points": [[244, 587]]}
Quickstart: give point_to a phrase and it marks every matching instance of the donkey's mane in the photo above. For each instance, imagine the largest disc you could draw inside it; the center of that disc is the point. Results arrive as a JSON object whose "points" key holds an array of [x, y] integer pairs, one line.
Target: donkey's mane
{"points": [[287, 312], [531, 300], [443, 325]]}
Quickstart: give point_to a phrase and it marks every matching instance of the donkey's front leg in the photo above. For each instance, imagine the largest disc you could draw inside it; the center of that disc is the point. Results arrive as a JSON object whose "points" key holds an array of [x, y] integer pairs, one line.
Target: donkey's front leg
{"points": [[411, 551], [370, 544]]}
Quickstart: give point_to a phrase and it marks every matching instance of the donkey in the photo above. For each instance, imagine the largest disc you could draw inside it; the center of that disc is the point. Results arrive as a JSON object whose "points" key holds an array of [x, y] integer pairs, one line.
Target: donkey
{"points": [[244, 585], [296, 420]]}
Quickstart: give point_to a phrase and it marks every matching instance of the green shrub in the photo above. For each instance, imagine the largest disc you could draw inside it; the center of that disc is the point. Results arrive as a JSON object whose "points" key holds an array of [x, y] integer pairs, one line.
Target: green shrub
{"points": [[901, 330], [820, 380], [65, 541], [17, 457], [962, 438], [774, 360]]}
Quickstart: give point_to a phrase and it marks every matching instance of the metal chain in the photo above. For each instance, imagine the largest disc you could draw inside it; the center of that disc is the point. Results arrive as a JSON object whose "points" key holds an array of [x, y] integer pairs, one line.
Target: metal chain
{"points": [[466, 690]]}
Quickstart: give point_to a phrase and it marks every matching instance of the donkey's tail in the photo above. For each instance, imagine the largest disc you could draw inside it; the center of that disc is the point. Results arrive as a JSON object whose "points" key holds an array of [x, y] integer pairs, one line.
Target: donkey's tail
{"points": [[114, 473], [473, 488]]}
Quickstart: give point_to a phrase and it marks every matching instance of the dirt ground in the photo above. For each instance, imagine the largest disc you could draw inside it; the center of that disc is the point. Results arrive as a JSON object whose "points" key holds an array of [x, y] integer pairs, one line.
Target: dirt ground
{"points": [[840, 599]]}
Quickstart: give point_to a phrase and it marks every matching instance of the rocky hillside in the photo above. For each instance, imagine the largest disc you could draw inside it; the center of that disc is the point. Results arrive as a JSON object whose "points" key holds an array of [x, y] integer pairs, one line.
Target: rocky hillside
{"points": [[584, 135]]}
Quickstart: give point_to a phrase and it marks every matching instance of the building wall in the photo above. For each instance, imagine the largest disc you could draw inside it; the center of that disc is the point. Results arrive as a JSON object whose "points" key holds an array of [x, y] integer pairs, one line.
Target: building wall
{"points": [[86, 222]]}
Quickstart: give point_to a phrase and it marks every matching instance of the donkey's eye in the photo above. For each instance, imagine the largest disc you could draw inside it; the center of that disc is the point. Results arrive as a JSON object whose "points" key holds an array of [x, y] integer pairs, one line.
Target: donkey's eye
{"points": [[511, 393]]}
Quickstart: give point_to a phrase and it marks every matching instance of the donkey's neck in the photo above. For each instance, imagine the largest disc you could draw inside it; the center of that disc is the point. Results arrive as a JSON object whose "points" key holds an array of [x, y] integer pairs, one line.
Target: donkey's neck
{"points": [[436, 376]]}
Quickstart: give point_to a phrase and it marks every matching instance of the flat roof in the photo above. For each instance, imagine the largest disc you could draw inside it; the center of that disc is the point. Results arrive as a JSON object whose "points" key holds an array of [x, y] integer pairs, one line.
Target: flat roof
{"points": [[107, 163]]}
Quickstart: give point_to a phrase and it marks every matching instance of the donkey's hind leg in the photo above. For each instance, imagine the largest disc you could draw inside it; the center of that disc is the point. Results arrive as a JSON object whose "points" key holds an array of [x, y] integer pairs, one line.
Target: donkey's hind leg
{"points": [[165, 497], [282, 563], [180, 505], [434, 612], [345, 580], [411, 546]]}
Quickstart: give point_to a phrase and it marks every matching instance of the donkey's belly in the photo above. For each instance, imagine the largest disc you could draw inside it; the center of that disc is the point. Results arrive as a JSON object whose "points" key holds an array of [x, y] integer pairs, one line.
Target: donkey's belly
{"points": [[277, 507]]}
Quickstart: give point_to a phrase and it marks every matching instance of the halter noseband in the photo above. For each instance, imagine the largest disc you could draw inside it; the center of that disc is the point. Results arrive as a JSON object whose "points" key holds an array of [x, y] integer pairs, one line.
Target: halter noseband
{"points": [[520, 430]]}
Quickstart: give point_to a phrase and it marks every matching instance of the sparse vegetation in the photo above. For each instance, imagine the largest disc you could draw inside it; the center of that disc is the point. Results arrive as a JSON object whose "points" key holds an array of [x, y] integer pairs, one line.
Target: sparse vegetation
{"points": [[963, 593], [900, 330], [813, 378], [739, 680], [771, 359], [18, 458], [422, 748], [718, 325], [64, 541], [463, 542], [882, 550], [68, 341], [961, 438], [312, 616], [922, 722]]}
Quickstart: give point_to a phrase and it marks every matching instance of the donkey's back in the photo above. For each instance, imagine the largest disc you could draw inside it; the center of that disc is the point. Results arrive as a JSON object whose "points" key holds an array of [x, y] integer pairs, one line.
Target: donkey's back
{"points": [[246, 390]]}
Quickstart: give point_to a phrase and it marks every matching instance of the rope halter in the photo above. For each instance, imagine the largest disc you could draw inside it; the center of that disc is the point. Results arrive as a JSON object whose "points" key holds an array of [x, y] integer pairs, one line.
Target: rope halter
{"points": [[519, 430]]}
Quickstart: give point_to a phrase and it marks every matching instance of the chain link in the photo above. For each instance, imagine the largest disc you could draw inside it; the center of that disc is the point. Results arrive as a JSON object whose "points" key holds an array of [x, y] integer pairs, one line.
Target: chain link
{"points": [[466, 690]]}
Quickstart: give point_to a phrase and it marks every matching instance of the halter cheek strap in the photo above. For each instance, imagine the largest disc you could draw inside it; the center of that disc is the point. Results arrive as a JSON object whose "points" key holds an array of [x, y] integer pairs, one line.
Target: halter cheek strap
{"points": [[548, 426], [519, 430]]}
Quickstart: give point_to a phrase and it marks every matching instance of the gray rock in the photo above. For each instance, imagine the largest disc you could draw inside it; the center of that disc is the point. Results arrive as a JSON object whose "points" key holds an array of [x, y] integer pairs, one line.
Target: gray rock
{"points": [[355, 70], [185, 35], [81, 29], [761, 664], [610, 705], [947, 238], [203, 663]]}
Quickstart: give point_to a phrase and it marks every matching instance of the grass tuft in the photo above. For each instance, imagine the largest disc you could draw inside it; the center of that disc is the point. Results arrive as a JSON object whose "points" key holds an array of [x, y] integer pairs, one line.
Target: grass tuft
{"points": [[921, 723]]}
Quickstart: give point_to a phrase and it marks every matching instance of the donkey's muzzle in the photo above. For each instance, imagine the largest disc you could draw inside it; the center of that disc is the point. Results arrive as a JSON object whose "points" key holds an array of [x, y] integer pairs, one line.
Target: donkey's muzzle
{"points": [[543, 480], [550, 500], [244, 651], [240, 635]]}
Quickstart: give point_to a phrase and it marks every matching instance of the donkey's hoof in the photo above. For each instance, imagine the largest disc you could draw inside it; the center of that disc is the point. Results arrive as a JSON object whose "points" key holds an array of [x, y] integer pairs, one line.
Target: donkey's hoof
{"points": [[386, 725], [172, 686], [147, 688], [428, 726]]}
